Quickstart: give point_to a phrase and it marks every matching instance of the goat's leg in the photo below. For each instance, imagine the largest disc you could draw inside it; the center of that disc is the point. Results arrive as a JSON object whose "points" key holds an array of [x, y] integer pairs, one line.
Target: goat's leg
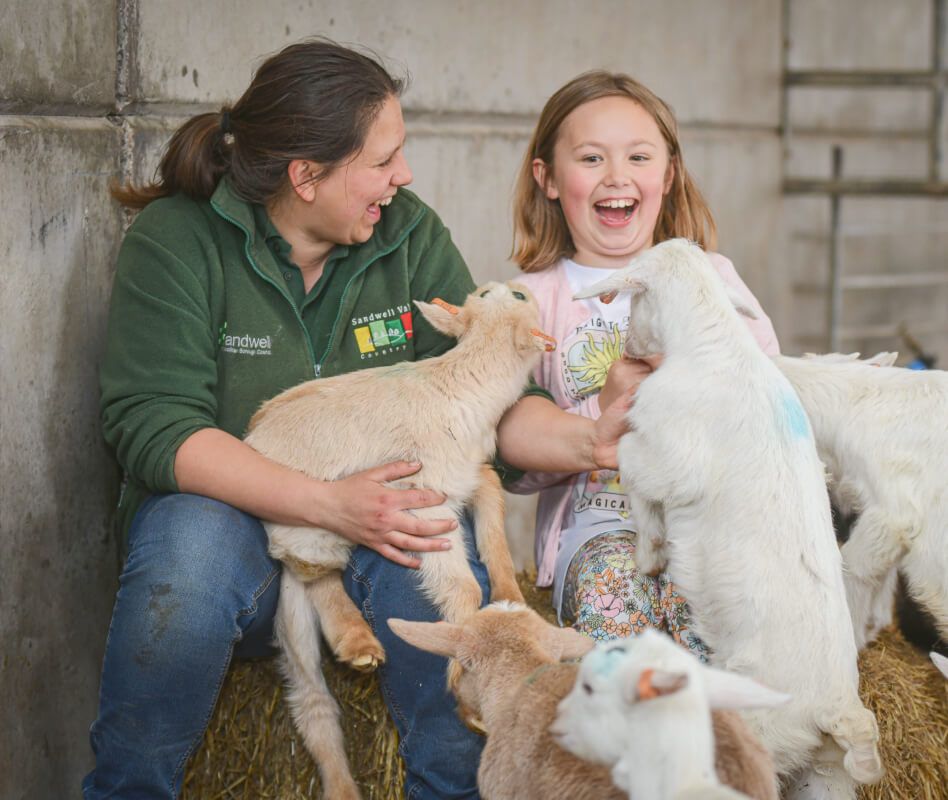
{"points": [[925, 568], [874, 547], [347, 633], [313, 708], [491, 537], [651, 554]]}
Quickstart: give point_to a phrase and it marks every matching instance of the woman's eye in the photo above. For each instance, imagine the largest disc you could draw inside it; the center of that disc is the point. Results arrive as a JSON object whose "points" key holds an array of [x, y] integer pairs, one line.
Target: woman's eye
{"points": [[520, 295]]}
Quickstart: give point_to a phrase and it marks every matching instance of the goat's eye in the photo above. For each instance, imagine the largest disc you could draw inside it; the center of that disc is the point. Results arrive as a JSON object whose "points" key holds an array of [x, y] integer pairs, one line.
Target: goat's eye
{"points": [[520, 295], [587, 688], [484, 293]]}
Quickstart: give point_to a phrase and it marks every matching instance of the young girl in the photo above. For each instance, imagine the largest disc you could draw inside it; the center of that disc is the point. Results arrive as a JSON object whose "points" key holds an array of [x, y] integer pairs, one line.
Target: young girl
{"points": [[603, 179]]}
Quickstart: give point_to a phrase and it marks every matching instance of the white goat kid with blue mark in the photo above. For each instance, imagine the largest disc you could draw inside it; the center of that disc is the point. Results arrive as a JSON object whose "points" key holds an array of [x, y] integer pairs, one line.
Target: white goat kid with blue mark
{"points": [[643, 706], [725, 486]]}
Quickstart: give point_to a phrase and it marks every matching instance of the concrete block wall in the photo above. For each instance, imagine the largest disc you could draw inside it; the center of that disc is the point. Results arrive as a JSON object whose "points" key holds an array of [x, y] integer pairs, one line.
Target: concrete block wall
{"points": [[91, 90]]}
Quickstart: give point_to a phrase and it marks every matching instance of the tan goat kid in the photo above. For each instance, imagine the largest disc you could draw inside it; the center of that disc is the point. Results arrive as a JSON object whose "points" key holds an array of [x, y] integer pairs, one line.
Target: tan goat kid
{"points": [[441, 412]]}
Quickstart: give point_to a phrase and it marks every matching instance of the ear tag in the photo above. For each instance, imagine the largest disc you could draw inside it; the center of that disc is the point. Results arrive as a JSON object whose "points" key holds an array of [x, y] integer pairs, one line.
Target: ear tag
{"points": [[608, 297], [550, 341], [644, 688], [446, 306]]}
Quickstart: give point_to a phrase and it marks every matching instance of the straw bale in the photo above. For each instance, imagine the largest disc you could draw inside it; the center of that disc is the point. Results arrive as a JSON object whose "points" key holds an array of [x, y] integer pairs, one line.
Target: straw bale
{"points": [[251, 750]]}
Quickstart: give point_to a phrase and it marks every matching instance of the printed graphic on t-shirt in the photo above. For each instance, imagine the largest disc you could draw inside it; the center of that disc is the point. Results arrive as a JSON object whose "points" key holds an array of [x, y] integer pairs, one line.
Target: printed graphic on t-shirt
{"points": [[587, 354], [603, 492], [382, 332], [585, 358]]}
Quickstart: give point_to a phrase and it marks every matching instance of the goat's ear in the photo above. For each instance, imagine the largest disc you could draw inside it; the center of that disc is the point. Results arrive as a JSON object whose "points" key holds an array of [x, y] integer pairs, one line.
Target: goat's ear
{"points": [[442, 638], [651, 683], [743, 308], [883, 359], [620, 281], [939, 661], [565, 643], [450, 320], [737, 692]]}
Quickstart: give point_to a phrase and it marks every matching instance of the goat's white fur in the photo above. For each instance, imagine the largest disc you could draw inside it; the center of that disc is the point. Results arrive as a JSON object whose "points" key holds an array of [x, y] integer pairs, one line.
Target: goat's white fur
{"points": [[725, 486], [882, 434], [642, 706], [441, 412]]}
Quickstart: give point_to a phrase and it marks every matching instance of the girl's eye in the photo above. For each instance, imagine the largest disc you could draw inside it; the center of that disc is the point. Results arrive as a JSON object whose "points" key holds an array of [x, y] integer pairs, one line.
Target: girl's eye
{"points": [[639, 157], [592, 159], [520, 295]]}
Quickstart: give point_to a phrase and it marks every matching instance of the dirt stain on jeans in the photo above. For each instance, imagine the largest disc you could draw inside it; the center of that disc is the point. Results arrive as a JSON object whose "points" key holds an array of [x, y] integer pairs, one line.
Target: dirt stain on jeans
{"points": [[161, 607]]}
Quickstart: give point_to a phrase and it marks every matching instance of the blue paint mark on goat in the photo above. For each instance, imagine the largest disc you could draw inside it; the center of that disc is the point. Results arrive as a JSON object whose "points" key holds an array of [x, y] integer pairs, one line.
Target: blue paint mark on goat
{"points": [[790, 415]]}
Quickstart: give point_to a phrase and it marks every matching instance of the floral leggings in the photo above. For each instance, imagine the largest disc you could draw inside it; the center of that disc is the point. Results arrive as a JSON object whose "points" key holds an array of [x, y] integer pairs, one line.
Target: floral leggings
{"points": [[606, 596]]}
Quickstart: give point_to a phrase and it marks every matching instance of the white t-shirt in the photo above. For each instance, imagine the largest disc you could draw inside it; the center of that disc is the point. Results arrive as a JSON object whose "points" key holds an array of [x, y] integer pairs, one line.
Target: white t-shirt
{"points": [[597, 503]]}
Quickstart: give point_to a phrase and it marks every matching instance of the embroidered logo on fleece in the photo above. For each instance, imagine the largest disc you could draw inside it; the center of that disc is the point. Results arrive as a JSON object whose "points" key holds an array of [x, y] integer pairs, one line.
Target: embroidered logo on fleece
{"points": [[244, 344], [383, 332]]}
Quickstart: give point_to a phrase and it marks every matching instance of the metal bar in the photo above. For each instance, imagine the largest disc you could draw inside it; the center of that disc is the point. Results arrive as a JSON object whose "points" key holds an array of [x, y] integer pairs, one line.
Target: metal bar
{"points": [[865, 186], [936, 145], [891, 330], [836, 287], [863, 78], [903, 280]]}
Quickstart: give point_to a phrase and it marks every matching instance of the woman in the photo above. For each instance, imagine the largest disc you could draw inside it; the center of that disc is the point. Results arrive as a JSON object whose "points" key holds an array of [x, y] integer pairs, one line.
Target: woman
{"points": [[277, 245]]}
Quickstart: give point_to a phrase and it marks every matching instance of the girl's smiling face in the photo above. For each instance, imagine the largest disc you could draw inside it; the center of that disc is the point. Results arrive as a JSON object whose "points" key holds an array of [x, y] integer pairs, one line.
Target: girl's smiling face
{"points": [[611, 170]]}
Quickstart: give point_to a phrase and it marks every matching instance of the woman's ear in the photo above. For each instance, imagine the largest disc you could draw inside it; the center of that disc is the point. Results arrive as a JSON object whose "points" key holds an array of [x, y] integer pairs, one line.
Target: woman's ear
{"points": [[542, 175], [303, 176]]}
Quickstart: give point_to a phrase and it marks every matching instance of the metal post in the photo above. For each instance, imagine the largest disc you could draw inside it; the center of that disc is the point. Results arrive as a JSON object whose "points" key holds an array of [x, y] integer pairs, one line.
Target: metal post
{"points": [[835, 282]]}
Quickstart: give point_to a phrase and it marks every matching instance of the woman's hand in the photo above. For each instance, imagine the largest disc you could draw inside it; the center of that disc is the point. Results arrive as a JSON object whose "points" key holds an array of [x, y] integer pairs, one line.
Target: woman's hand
{"points": [[365, 511]]}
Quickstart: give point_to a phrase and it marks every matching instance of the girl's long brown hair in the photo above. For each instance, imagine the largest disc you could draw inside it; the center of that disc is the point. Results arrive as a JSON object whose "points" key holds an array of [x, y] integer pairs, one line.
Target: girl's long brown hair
{"points": [[541, 235], [314, 100]]}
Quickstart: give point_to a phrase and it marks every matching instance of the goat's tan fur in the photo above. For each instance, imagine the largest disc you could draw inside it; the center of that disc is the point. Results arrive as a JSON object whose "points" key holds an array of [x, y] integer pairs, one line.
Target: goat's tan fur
{"points": [[441, 412]]}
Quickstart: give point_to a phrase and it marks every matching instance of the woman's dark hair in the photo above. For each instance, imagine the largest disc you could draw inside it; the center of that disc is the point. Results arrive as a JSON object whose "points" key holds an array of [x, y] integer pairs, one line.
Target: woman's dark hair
{"points": [[314, 100]]}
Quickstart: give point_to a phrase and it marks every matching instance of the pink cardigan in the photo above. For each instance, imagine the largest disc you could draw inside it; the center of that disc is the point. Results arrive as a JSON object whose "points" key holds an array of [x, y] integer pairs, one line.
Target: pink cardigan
{"points": [[559, 316]]}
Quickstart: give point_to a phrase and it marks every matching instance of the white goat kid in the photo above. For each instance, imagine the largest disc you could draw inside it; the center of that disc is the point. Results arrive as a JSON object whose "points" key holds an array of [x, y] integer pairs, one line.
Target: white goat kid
{"points": [[441, 412], [725, 485], [642, 705], [881, 433]]}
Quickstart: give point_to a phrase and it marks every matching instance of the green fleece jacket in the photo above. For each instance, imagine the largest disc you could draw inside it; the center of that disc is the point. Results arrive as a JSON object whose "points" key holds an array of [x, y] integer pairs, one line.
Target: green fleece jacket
{"points": [[203, 328]]}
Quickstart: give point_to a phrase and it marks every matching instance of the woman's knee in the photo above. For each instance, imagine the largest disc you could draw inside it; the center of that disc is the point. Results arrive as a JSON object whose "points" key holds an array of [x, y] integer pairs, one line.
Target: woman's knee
{"points": [[193, 557]]}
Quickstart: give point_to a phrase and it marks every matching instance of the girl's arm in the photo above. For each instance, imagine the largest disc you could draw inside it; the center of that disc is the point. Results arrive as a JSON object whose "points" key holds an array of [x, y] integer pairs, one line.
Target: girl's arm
{"points": [[536, 435], [215, 464]]}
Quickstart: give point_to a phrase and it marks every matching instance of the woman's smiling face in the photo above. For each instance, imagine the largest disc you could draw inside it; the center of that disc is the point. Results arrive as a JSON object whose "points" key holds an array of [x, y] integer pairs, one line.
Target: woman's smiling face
{"points": [[611, 170], [349, 201]]}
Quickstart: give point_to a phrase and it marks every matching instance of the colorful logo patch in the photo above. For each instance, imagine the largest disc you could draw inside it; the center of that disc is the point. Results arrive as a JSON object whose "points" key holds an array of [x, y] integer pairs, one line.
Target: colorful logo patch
{"points": [[381, 333]]}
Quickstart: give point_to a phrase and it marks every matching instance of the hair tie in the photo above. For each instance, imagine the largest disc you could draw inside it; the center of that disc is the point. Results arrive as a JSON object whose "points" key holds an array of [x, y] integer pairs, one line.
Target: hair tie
{"points": [[225, 122]]}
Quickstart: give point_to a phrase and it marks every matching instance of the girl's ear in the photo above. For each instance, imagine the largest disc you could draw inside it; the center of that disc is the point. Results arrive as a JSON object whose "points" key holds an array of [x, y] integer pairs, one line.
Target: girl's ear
{"points": [[302, 176], [544, 178], [669, 176]]}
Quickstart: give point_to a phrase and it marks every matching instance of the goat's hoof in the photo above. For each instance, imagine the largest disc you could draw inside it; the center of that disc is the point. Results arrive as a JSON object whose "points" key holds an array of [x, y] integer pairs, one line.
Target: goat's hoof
{"points": [[364, 663], [360, 649], [475, 724]]}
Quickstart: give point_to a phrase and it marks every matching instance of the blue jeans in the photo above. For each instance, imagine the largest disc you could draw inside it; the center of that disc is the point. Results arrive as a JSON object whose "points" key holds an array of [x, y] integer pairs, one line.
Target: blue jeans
{"points": [[198, 589]]}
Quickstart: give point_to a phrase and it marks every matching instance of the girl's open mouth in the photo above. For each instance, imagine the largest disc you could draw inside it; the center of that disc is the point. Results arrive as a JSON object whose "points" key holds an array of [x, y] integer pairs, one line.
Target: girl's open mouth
{"points": [[615, 210]]}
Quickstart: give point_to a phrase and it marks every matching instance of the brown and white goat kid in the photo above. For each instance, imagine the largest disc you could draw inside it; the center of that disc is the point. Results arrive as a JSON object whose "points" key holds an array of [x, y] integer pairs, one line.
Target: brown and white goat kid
{"points": [[509, 669], [883, 435], [725, 485], [441, 412]]}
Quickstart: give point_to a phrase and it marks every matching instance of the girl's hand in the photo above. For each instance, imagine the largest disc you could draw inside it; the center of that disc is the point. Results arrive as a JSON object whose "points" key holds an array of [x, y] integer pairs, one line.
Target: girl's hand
{"points": [[609, 428], [625, 375], [365, 511]]}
